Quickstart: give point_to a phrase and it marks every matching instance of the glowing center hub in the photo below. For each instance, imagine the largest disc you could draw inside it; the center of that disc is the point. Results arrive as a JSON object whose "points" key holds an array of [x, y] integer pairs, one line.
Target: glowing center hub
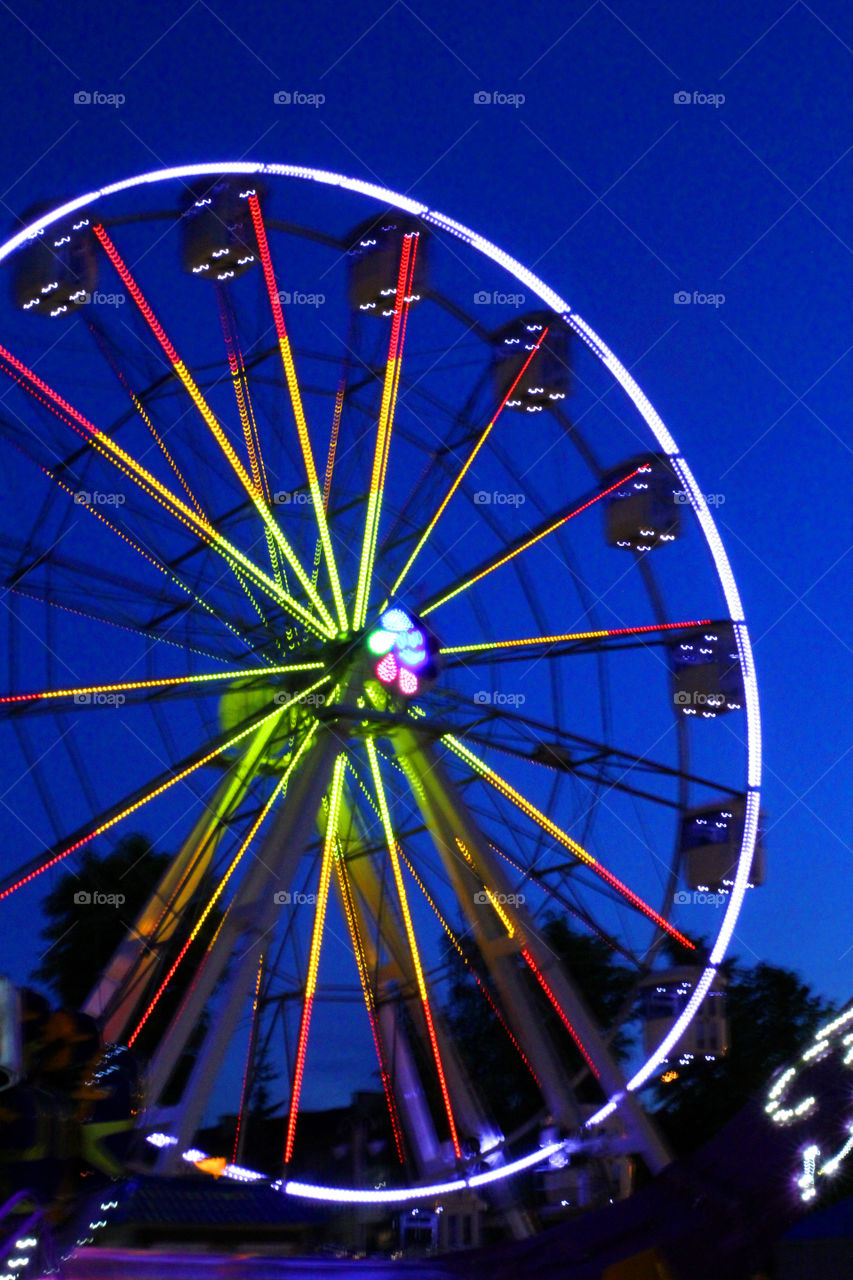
{"points": [[401, 652]]}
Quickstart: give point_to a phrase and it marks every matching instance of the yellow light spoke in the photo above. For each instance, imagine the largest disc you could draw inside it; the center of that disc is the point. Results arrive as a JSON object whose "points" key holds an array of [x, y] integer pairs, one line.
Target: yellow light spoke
{"points": [[93, 511], [567, 637], [298, 413], [210, 419], [528, 542], [501, 785], [465, 467], [279, 789], [164, 682], [129, 467], [163, 787], [251, 438], [384, 427], [391, 842]]}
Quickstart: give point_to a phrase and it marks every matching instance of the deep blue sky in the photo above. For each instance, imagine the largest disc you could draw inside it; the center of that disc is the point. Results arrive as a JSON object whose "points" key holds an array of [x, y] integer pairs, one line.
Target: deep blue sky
{"points": [[619, 197]]}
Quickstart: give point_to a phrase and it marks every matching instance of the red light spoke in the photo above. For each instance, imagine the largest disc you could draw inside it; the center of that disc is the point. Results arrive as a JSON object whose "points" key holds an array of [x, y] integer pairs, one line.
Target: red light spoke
{"points": [[541, 979]]}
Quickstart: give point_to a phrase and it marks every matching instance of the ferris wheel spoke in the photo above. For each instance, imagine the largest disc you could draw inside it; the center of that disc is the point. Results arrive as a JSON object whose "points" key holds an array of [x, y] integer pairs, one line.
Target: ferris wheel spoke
{"points": [[140, 409], [120, 458], [581, 854], [211, 421], [331, 454], [464, 469], [149, 792], [299, 416], [570, 637], [345, 892], [405, 279], [391, 841], [146, 633], [157, 563], [495, 562], [329, 849], [279, 789], [163, 682], [460, 951], [251, 436]]}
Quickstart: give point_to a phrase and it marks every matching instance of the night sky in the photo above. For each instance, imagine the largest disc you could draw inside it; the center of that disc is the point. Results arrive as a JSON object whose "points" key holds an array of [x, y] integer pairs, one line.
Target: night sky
{"points": [[620, 196]]}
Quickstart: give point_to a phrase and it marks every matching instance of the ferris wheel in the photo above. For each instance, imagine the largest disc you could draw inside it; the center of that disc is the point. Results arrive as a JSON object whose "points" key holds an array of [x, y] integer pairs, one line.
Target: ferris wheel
{"points": [[346, 561]]}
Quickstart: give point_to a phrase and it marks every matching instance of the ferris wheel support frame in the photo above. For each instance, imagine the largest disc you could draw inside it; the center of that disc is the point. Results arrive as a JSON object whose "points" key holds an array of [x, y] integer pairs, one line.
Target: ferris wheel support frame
{"points": [[129, 969], [445, 811], [249, 919]]}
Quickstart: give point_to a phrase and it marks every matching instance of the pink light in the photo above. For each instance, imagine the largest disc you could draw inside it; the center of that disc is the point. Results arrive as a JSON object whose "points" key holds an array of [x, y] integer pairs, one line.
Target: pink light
{"points": [[408, 682], [387, 669]]}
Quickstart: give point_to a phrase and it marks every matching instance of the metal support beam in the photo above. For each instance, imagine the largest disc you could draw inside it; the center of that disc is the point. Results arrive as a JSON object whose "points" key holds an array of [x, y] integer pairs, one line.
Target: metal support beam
{"points": [[446, 812]]}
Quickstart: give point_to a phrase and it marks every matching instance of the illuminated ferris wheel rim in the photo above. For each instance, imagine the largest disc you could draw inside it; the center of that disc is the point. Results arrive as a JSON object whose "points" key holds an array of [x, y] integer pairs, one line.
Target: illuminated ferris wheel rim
{"points": [[667, 445]]}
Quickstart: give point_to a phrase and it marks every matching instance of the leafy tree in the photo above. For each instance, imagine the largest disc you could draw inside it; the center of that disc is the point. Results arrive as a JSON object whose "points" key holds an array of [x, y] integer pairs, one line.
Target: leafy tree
{"points": [[772, 1014], [83, 936]]}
